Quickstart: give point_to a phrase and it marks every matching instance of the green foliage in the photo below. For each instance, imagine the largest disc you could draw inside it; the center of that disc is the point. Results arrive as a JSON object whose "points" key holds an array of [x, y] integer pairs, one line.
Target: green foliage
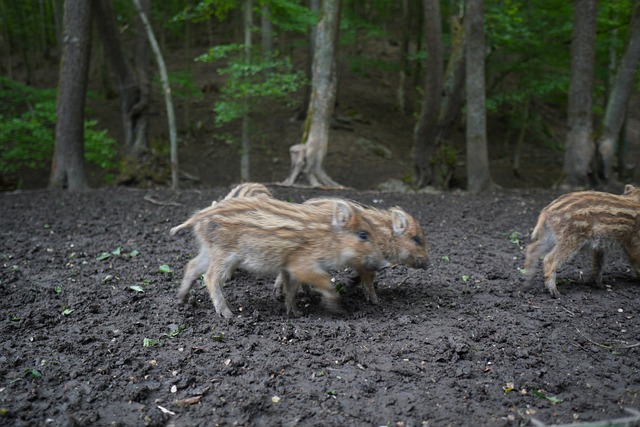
{"points": [[27, 130], [267, 79], [182, 85]]}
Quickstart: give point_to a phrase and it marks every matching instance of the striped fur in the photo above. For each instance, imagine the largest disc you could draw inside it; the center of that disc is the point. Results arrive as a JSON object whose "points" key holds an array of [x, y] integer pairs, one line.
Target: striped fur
{"points": [[586, 218], [400, 239], [268, 236], [247, 189]]}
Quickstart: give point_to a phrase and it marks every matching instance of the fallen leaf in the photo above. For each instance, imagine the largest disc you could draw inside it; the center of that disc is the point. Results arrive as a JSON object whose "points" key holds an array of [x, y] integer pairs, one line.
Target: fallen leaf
{"points": [[165, 410], [188, 401]]}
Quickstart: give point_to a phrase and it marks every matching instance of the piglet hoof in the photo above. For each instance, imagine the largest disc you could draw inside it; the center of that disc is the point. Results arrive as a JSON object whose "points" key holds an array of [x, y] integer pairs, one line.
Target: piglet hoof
{"points": [[182, 298], [555, 293], [226, 313], [333, 305], [294, 312]]}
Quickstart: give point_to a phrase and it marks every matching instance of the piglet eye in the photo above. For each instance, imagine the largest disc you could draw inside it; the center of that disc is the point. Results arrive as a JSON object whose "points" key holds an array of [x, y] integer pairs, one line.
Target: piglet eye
{"points": [[363, 235], [417, 240]]}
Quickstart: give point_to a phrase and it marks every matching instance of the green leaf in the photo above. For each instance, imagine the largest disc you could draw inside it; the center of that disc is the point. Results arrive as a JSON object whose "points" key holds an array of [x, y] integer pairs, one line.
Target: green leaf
{"points": [[134, 253], [554, 399], [465, 278], [445, 258], [57, 289], [219, 337], [33, 372], [67, 311], [150, 342], [117, 251], [136, 288], [164, 268], [103, 256], [175, 330], [538, 393]]}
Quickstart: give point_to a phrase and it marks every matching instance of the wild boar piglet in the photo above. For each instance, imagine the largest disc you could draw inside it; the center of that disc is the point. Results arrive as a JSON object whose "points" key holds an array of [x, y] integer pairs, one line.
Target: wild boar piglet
{"points": [[268, 236], [400, 239], [590, 219], [247, 189]]}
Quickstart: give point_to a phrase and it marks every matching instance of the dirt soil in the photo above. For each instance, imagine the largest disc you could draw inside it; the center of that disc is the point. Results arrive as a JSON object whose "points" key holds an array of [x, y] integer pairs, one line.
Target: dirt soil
{"points": [[92, 334]]}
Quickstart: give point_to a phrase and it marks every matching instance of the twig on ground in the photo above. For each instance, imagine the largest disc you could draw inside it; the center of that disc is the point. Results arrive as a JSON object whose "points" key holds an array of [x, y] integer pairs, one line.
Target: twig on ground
{"points": [[633, 420], [609, 347], [150, 199]]}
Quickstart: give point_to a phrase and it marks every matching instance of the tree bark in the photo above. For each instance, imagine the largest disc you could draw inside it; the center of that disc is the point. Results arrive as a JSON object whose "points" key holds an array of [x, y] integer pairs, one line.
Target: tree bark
{"points": [[404, 55], [267, 31], [424, 140], [245, 143], [307, 158], [314, 6], [68, 158], [166, 88], [451, 107], [619, 97], [579, 144], [134, 89], [478, 175]]}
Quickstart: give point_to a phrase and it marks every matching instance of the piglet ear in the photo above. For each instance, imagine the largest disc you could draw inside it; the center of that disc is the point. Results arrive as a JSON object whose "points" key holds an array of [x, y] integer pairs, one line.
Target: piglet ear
{"points": [[341, 214], [399, 221], [628, 188]]}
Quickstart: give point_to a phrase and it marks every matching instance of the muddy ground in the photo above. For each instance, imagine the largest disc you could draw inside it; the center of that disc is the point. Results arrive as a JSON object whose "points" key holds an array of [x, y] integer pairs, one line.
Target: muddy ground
{"points": [[91, 333]]}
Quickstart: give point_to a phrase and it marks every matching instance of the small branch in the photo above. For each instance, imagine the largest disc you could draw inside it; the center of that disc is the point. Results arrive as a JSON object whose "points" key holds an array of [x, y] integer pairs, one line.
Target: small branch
{"points": [[150, 199], [608, 347], [625, 421]]}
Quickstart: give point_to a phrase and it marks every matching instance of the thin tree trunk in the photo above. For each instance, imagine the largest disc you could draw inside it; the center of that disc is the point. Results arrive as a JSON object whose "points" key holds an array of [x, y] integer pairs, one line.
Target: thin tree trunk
{"points": [[517, 155], [245, 141], [134, 93], [171, 118], [68, 158], [424, 139], [307, 158], [267, 32], [580, 145], [451, 107], [314, 6], [142, 65], [619, 97], [7, 36], [404, 56], [478, 175]]}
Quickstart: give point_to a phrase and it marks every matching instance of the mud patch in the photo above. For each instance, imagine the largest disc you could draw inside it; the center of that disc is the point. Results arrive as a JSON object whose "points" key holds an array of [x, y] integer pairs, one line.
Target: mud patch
{"points": [[92, 334]]}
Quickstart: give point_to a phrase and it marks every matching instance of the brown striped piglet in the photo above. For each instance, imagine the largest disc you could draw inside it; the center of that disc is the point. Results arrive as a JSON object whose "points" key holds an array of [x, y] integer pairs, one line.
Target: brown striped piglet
{"points": [[268, 236], [400, 239], [591, 219], [247, 189]]}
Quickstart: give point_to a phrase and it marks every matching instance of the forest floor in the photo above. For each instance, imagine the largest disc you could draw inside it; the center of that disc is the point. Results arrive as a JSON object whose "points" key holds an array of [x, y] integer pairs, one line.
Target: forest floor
{"points": [[92, 334]]}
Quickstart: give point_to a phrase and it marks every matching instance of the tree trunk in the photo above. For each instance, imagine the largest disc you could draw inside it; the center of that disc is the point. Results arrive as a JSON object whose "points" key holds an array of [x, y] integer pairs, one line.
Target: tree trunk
{"points": [[245, 143], [404, 56], [166, 88], [267, 32], [424, 139], [453, 89], [580, 145], [142, 64], [307, 158], [134, 93], [478, 175], [619, 97], [314, 6], [68, 158]]}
